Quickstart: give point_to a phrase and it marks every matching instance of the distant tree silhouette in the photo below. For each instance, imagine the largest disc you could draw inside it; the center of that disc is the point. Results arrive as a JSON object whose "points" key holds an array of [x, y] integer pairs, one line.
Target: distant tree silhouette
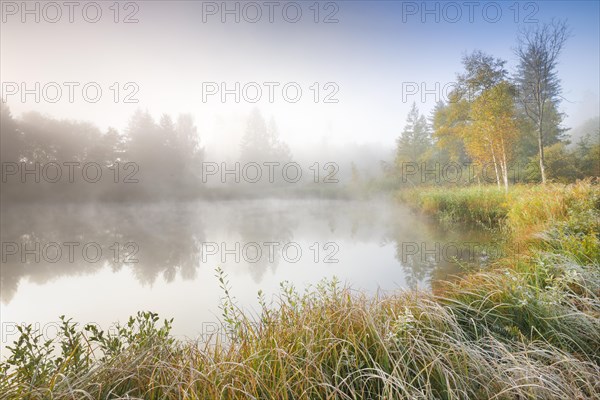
{"points": [[261, 142], [11, 140]]}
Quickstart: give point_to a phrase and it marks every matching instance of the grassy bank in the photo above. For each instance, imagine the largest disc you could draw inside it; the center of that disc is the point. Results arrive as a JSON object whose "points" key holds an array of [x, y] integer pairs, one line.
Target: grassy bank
{"points": [[529, 328], [523, 213]]}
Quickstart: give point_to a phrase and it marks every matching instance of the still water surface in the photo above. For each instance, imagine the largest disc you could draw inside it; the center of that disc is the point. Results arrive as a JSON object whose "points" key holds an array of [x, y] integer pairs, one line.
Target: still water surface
{"points": [[101, 263]]}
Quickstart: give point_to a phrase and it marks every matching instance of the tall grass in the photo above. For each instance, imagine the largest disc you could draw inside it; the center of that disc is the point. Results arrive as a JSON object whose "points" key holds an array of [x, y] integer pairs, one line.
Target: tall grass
{"points": [[524, 211], [526, 329], [482, 205]]}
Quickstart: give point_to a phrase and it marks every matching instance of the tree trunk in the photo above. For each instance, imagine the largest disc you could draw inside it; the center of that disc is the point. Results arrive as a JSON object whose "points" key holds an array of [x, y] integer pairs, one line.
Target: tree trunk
{"points": [[504, 166], [496, 167], [541, 142], [541, 149]]}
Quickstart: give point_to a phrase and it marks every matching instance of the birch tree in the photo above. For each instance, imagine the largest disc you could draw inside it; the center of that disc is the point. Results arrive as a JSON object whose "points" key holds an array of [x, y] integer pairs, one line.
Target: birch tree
{"points": [[538, 51]]}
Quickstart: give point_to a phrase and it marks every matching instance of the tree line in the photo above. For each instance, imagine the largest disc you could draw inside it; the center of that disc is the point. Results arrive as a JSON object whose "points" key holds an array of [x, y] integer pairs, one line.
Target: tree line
{"points": [[43, 157], [505, 128]]}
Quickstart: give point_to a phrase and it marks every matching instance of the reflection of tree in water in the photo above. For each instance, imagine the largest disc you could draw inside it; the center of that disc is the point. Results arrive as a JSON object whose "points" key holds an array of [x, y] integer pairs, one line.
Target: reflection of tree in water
{"points": [[404, 229], [259, 225], [428, 251], [165, 245], [436, 247], [359, 218], [170, 236], [286, 222], [424, 249]]}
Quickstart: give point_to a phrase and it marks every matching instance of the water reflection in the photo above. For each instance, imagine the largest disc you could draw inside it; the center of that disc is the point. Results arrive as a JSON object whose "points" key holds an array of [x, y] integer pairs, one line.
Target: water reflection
{"points": [[179, 239], [57, 241]]}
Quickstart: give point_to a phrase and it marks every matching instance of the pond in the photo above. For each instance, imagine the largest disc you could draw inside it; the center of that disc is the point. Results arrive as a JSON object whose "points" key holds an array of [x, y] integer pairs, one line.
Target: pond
{"points": [[100, 263]]}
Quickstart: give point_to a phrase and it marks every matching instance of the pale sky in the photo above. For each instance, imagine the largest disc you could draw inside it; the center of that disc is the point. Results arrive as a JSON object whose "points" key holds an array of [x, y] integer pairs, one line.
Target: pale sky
{"points": [[374, 50]]}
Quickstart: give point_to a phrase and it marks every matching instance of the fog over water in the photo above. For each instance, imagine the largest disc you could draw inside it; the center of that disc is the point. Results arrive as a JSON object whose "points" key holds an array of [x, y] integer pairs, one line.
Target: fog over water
{"points": [[146, 146], [167, 255]]}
